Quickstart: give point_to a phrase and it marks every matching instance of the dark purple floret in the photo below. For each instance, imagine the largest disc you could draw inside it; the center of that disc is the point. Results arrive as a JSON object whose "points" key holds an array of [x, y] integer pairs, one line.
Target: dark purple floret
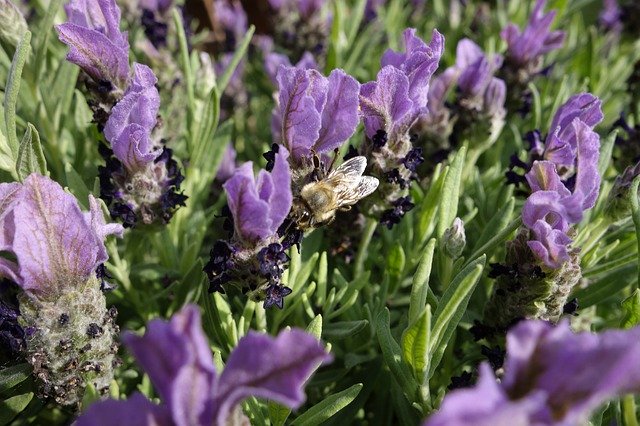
{"points": [[103, 274], [464, 380], [270, 156], [571, 307], [272, 260], [227, 225], [291, 235], [12, 335], [481, 331], [275, 295], [379, 139], [218, 265], [393, 216], [413, 159], [155, 30], [351, 153], [494, 355], [394, 177]]}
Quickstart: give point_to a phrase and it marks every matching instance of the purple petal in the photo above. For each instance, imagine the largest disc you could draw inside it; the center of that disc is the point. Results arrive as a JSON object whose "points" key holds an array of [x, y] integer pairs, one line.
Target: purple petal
{"points": [[270, 368], [418, 62], [134, 148], [281, 200], [98, 56], [177, 358], [100, 15], [95, 219], [585, 106], [227, 165], [486, 404], [385, 103], [250, 213], [557, 210], [587, 184], [467, 53], [543, 176], [340, 113], [136, 411], [302, 93], [53, 242], [578, 372], [549, 245], [139, 105], [494, 96]]}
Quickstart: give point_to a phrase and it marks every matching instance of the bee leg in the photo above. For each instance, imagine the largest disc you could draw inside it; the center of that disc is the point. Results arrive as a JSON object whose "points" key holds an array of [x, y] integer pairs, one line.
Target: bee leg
{"points": [[345, 208], [335, 157]]}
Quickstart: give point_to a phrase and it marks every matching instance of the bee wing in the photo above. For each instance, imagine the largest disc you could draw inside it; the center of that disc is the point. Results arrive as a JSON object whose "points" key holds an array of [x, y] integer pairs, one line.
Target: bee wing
{"points": [[365, 186], [349, 172]]}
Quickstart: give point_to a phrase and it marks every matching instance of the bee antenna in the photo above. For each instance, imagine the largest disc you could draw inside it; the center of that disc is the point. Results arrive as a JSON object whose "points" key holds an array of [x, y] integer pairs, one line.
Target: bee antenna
{"points": [[335, 157]]}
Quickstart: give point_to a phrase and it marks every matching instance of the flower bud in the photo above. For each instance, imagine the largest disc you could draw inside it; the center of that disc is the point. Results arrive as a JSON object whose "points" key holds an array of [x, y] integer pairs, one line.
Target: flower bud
{"points": [[12, 23], [455, 239]]}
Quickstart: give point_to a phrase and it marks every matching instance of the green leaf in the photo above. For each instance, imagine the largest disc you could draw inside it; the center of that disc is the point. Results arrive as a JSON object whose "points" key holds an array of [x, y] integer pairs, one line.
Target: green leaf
{"points": [[45, 29], [420, 282], [278, 414], [203, 136], [631, 309], [76, 185], [448, 207], [343, 329], [186, 64], [415, 344], [635, 214], [235, 60], [30, 156], [392, 354], [497, 223], [315, 327], [396, 260], [10, 408], [11, 91], [90, 396], [11, 376], [328, 407], [606, 149], [452, 306]]}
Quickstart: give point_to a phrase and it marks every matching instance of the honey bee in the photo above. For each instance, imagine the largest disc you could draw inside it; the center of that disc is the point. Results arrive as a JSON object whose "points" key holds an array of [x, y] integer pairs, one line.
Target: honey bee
{"points": [[318, 201]]}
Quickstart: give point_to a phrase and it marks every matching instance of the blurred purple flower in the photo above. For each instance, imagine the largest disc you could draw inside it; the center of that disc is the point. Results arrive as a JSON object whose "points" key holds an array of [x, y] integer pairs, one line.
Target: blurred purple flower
{"points": [[611, 16], [227, 165], [132, 119], [315, 114], [259, 206], [178, 360], [97, 44], [273, 61], [55, 243], [552, 376], [535, 40]]}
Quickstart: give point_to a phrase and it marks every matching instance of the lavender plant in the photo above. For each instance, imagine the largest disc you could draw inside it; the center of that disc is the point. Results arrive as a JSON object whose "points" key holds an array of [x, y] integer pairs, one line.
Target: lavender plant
{"points": [[440, 198]]}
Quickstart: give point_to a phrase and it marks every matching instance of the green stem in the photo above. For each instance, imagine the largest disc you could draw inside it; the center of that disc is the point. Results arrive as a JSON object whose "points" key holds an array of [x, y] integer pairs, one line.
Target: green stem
{"points": [[629, 411], [635, 214], [369, 229]]}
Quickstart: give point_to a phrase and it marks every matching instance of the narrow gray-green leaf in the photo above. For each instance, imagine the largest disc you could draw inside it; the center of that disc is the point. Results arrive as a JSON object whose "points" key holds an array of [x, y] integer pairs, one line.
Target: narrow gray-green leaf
{"points": [[420, 282], [448, 207], [278, 414], [315, 327], [392, 354], [235, 60], [44, 31], [497, 223], [451, 307], [606, 149], [415, 344], [11, 407], [328, 407], [631, 309], [76, 185], [11, 376], [343, 329], [11, 91], [203, 137], [30, 156]]}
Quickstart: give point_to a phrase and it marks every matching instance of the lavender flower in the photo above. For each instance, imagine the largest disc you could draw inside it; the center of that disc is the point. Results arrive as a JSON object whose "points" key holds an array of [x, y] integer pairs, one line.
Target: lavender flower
{"points": [[273, 60], [97, 44], [301, 26], [541, 267], [177, 358], [551, 376], [390, 107], [610, 17], [315, 114], [58, 250], [536, 39], [254, 259], [140, 181]]}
